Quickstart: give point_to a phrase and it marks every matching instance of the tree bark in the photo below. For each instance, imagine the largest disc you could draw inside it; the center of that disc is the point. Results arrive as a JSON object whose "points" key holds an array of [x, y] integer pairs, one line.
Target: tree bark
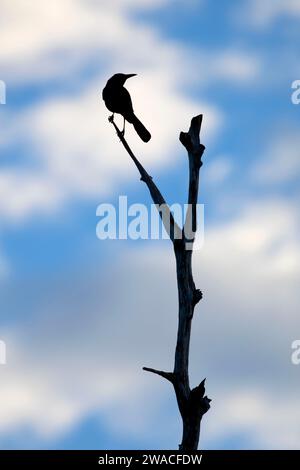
{"points": [[192, 403]]}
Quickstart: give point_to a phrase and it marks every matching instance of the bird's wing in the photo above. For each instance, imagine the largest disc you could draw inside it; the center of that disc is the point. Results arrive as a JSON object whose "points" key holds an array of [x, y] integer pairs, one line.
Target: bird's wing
{"points": [[118, 100], [125, 104]]}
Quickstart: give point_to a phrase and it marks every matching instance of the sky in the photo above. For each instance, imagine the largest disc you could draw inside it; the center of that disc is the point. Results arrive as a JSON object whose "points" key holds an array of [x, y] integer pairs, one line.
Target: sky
{"points": [[80, 316]]}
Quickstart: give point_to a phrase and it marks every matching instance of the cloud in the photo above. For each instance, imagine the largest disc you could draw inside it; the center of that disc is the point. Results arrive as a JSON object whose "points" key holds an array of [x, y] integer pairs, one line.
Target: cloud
{"points": [[241, 341], [227, 66], [218, 170], [264, 13], [25, 193], [4, 267], [280, 162], [237, 66], [269, 422], [40, 42]]}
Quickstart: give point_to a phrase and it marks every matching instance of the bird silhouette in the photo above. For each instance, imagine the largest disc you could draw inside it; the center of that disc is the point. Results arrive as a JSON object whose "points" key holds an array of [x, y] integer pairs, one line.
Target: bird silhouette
{"points": [[118, 100]]}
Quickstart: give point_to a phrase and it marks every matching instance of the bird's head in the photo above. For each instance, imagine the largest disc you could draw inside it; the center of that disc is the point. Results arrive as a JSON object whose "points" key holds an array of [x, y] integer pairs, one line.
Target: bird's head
{"points": [[120, 78]]}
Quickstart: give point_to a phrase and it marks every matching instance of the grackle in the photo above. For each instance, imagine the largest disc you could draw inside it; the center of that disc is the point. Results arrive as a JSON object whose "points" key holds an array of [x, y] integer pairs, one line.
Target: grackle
{"points": [[118, 100]]}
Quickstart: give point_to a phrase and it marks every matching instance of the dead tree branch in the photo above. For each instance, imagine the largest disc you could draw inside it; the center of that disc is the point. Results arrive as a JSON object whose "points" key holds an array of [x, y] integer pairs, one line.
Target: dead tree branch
{"points": [[192, 403]]}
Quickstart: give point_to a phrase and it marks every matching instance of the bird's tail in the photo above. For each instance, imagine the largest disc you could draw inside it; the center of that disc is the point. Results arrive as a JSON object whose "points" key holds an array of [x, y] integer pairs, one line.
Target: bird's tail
{"points": [[140, 129]]}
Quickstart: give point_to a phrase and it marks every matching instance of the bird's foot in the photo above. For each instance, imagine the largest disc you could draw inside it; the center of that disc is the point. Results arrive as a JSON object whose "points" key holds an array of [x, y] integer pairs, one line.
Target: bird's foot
{"points": [[111, 118]]}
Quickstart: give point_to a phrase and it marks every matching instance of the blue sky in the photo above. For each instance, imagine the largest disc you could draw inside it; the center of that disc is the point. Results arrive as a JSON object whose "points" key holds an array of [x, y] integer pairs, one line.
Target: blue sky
{"points": [[80, 316]]}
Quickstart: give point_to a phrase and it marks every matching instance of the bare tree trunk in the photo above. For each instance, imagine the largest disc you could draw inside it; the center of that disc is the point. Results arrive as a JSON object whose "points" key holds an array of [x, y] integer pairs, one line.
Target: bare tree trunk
{"points": [[192, 403]]}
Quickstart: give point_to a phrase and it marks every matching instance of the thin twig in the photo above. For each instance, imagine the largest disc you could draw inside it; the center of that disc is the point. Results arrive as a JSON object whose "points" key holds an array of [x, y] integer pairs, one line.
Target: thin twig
{"points": [[166, 375], [172, 228]]}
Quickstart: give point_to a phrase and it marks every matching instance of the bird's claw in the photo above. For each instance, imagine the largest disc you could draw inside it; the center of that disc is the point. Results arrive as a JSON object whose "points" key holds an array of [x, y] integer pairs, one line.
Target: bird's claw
{"points": [[111, 118]]}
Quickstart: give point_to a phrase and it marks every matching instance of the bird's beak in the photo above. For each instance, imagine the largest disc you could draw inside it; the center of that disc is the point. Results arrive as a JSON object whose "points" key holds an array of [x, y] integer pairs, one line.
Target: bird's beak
{"points": [[130, 75]]}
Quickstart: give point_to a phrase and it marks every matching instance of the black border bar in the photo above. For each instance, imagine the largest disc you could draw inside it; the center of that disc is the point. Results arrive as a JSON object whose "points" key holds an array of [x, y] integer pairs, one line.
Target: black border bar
{"points": [[131, 459]]}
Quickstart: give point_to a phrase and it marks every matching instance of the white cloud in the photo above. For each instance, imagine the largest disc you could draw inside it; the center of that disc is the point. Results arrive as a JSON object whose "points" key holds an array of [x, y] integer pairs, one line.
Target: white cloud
{"points": [[229, 66], [40, 44], [269, 422], [237, 66], [218, 170], [36, 37], [4, 266], [280, 162], [263, 13], [259, 227], [24, 193]]}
